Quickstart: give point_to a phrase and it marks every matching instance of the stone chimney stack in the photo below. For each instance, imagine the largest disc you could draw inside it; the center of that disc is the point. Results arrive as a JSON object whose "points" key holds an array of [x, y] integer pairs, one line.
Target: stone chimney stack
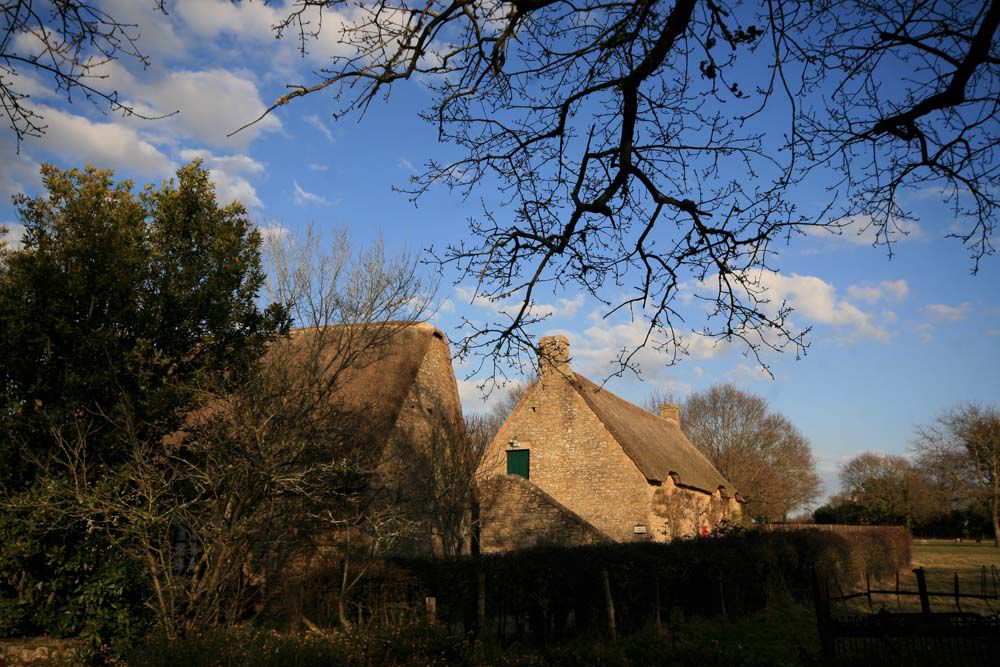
{"points": [[553, 356], [671, 412]]}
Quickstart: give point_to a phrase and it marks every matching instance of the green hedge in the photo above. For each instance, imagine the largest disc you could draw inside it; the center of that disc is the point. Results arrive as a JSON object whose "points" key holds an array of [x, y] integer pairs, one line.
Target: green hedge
{"points": [[555, 592]]}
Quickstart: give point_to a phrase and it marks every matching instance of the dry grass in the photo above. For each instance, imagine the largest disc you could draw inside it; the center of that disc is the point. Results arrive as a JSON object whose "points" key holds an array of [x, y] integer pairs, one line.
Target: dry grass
{"points": [[942, 559]]}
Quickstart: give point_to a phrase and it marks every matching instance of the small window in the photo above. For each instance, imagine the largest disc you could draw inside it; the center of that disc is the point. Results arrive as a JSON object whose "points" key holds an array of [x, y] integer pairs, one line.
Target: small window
{"points": [[518, 462]]}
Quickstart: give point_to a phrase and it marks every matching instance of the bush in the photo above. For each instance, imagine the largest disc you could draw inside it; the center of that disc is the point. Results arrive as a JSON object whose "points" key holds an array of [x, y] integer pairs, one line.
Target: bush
{"points": [[555, 592], [67, 583], [772, 639]]}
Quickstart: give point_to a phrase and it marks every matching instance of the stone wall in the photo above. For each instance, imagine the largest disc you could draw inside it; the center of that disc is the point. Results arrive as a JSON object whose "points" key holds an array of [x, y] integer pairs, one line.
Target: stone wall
{"points": [[677, 511], [425, 466], [39, 652], [515, 514]]}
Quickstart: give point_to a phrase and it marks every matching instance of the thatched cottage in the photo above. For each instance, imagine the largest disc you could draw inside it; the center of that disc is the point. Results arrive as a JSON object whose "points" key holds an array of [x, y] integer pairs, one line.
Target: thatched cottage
{"points": [[406, 398], [574, 463]]}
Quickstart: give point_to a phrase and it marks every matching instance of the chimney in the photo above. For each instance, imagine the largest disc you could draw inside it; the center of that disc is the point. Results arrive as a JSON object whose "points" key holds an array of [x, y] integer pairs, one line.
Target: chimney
{"points": [[671, 412], [553, 356]]}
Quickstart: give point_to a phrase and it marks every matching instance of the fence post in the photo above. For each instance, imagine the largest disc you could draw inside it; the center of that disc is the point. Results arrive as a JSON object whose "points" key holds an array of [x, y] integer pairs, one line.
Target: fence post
{"points": [[430, 603], [925, 602], [480, 600], [822, 602], [609, 604], [657, 617]]}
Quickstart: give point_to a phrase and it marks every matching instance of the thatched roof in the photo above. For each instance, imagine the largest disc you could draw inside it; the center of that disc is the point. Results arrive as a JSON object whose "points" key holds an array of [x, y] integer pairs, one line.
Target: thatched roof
{"points": [[378, 381], [658, 446], [370, 370]]}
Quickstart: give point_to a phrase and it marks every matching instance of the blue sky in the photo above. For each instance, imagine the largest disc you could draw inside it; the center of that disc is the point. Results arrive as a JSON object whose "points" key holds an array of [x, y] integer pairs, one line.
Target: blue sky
{"points": [[893, 342]]}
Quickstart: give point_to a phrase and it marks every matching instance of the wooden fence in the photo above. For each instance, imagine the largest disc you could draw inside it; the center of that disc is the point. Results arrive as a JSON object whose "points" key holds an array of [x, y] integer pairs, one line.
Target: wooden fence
{"points": [[959, 638]]}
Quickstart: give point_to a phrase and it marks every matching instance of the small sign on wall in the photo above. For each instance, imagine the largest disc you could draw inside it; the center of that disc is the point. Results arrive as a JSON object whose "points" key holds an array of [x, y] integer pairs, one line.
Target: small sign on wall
{"points": [[639, 529]]}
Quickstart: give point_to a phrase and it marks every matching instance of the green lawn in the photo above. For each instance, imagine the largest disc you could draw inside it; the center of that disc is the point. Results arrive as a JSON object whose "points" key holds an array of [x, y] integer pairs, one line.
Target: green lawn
{"points": [[942, 559]]}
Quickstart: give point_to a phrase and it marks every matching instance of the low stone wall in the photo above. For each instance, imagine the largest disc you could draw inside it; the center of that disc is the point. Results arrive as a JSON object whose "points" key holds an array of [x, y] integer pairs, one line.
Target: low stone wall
{"points": [[39, 652], [516, 514]]}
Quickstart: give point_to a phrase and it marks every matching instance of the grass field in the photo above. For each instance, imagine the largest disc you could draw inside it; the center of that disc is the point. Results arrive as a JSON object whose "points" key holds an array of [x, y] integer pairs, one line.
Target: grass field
{"points": [[942, 559]]}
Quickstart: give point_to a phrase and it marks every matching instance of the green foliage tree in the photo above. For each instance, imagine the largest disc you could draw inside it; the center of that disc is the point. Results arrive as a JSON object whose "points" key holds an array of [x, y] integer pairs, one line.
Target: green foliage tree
{"points": [[117, 309], [121, 300]]}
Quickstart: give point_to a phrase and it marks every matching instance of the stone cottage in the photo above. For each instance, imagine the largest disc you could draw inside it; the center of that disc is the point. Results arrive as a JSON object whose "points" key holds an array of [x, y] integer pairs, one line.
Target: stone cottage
{"points": [[575, 464]]}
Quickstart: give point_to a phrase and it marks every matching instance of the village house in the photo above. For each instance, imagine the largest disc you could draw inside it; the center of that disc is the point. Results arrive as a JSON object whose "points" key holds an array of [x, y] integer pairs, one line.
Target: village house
{"points": [[576, 464]]}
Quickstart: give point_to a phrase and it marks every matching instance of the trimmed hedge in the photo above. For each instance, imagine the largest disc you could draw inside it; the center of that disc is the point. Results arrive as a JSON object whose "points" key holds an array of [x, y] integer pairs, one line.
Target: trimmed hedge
{"points": [[556, 592]]}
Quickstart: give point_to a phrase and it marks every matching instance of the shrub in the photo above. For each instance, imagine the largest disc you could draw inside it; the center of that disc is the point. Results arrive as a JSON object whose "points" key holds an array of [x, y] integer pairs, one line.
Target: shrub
{"points": [[556, 591]]}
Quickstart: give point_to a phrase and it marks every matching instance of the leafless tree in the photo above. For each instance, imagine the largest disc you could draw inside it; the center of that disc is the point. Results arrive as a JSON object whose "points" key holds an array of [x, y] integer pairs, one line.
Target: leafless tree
{"points": [[655, 145], [443, 467], [768, 460], [62, 44], [963, 448]]}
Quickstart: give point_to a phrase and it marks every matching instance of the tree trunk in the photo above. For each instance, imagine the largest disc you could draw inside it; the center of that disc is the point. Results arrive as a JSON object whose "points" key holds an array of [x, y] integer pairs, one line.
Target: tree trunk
{"points": [[609, 605], [996, 519], [342, 618]]}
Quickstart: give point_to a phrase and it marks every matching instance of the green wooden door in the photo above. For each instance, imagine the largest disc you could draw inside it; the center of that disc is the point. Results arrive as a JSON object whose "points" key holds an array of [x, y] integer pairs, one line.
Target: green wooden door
{"points": [[517, 462]]}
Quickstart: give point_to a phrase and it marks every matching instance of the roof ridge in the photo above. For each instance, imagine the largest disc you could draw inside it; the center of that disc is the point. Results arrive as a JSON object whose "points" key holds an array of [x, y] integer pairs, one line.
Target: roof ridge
{"points": [[673, 453]]}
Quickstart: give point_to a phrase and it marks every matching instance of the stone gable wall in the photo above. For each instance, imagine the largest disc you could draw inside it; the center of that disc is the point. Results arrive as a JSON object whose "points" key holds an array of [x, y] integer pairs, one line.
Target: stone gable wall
{"points": [[517, 515], [419, 456]]}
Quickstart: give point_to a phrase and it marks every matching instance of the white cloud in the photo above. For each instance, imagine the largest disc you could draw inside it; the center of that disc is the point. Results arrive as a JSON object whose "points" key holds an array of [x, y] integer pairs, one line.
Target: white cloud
{"points": [[816, 300], [210, 104], [77, 139], [948, 313], [925, 332], [473, 399], [596, 350], [12, 238], [748, 374], [19, 173], [253, 24], [569, 307], [273, 231], [407, 165], [508, 307], [313, 166], [864, 230], [318, 123], [302, 197], [993, 332], [229, 172], [887, 290], [158, 38]]}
